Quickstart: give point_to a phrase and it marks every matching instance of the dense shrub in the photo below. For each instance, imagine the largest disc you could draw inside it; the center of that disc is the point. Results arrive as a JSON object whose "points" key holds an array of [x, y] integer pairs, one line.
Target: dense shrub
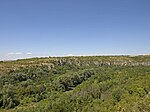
{"points": [[8, 100], [76, 84]]}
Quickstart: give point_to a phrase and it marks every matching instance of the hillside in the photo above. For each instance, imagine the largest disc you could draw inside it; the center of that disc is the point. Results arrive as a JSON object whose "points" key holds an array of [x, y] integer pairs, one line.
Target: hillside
{"points": [[76, 84]]}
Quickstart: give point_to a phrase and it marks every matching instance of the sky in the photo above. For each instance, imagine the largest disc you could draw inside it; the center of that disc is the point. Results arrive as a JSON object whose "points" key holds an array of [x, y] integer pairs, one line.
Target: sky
{"points": [[31, 28]]}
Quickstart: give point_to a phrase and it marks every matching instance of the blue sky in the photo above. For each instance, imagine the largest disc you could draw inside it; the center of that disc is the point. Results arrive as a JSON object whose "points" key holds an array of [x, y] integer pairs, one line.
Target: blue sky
{"points": [[80, 27]]}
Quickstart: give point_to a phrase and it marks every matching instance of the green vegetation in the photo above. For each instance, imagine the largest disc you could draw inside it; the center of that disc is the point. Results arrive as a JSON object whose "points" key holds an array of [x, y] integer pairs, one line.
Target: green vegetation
{"points": [[76, 84]]}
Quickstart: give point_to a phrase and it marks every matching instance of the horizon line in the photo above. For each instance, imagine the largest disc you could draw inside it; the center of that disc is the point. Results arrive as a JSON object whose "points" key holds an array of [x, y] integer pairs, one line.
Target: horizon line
{"points": [[71, 55]]}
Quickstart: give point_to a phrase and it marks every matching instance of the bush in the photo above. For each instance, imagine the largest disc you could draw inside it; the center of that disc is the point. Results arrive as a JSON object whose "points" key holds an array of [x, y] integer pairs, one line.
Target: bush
{"points": [[117, 95], [8, 100]]}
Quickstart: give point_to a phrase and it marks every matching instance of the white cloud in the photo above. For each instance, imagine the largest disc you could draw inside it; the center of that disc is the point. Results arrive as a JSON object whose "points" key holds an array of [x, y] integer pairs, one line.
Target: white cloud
{"points": [[69, 55], [12, 53], [18, 53], [29, 53]]}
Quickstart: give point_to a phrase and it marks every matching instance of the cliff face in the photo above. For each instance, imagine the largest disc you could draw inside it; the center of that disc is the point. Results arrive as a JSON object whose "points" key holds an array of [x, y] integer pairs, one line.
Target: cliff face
{"points": [[87, 61], [103, 61]]}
